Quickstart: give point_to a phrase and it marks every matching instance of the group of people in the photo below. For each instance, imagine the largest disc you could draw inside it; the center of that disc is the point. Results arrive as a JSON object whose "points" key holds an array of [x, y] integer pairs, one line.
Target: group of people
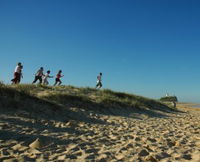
{"points": [[39, 76], [43, 78]]}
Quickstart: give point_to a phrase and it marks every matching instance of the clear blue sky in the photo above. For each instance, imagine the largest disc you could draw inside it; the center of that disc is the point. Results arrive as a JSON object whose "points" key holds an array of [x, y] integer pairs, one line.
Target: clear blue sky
{"points": [[143, 47]]}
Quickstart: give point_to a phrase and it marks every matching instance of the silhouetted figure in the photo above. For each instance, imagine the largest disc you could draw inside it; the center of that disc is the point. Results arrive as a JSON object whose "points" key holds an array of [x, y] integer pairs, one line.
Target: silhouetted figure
{"points": [[17, 74], [99, 81], [45, 78], [58, 76], [21, 74], [39, 75]]}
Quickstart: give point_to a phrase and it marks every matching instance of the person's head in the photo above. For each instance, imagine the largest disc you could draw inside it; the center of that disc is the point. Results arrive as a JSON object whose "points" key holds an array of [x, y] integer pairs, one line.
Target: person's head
{"points": [[60, 71], [41, 68], [19, 63], [48, 72], [100, 73]]}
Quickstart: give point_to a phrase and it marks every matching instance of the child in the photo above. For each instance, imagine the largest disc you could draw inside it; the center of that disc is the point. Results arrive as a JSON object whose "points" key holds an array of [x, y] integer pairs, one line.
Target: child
{"points": [[45, 78], [17, 73], [99, 79], [58, 76], [39, 75]]}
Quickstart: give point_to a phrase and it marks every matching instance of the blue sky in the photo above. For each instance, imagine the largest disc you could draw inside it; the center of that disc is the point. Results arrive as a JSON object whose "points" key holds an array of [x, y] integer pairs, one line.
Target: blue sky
{"points": [[143, 47]]}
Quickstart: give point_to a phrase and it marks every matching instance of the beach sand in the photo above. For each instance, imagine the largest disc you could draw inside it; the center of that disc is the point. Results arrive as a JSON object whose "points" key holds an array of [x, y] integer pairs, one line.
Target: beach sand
{"points": [[138, 137]]}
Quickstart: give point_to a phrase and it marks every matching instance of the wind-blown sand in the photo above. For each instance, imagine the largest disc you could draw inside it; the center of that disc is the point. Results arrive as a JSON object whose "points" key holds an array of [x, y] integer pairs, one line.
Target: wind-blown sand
{"points": [[166, 137]]}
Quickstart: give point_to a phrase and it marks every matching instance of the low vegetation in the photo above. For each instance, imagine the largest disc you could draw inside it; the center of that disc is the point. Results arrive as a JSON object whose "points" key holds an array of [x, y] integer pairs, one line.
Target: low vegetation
{"points": [[169, 99], [40, 98]]}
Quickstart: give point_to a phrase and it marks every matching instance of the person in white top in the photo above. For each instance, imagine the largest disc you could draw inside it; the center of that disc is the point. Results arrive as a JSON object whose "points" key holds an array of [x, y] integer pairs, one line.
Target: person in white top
{"points": [[99, 81], [45, 78], [17, 73]]}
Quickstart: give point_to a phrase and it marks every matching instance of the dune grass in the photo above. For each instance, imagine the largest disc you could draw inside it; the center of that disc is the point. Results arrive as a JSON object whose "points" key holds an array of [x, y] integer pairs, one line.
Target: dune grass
{"points": [[26, 95], [169, 99]]}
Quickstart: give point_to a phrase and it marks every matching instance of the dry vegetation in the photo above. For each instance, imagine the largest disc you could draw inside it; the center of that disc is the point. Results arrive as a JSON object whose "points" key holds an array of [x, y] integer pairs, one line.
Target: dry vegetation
{"points": [[37, 96]]}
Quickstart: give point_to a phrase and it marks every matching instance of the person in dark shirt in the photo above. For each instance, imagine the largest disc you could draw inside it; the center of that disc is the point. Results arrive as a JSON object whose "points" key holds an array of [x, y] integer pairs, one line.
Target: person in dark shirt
{"points": [[39, 75], [58, 76]]}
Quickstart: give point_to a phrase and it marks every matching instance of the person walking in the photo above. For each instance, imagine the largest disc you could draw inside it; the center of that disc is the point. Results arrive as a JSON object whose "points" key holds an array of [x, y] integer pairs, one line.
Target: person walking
{"points": [[58, 76], [99, 81], [45, 78], [39, 75], [17, 73]]}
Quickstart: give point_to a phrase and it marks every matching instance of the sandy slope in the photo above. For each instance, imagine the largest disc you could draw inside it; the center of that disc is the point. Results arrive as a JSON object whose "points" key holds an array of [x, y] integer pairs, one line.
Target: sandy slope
{"points": [[167, 137]]}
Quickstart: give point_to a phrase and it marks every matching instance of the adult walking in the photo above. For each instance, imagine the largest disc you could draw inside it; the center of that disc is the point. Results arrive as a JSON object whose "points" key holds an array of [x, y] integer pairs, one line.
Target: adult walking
{"points": [[17, 73], [39, 75], [99, 81]]}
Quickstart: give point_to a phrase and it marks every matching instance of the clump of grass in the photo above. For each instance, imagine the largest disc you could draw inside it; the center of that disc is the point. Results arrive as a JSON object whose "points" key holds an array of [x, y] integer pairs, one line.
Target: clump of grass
{"points": [[87, 91], [25, 88], [10, 97]]}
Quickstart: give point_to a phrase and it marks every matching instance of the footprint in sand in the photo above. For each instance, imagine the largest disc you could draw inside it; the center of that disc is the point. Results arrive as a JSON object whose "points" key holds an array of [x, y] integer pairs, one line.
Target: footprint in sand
{"points": [[92, 150], [162, 156], [143, 152]]}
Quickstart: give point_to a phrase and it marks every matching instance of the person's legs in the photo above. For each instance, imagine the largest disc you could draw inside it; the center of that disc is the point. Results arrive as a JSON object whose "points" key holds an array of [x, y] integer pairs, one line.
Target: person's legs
{"points": [[40, 79], [35, 80], [56, 81], [59, 81], [45, 82], [17, 78], [100, 85], [14, 80]]}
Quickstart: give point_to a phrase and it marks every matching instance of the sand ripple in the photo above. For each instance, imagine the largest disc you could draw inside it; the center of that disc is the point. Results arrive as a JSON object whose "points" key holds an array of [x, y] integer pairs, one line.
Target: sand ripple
{"points": [[172, 138]]}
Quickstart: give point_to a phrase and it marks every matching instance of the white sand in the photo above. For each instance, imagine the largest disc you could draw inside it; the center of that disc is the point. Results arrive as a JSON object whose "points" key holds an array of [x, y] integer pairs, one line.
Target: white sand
{"points": [[174, 137]]}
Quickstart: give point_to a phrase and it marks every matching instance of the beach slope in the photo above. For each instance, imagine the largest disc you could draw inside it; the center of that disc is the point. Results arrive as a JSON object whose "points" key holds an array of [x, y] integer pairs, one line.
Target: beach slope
{"points": [[39, 123]]}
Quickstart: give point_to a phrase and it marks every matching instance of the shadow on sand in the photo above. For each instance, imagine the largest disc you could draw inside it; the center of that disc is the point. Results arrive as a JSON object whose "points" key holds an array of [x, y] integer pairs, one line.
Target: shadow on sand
{"points": [[15, 106]]}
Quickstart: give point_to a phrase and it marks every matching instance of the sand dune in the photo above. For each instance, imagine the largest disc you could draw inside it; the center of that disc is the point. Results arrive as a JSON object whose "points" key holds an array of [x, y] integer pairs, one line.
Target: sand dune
{"points": [[174, 137]]}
